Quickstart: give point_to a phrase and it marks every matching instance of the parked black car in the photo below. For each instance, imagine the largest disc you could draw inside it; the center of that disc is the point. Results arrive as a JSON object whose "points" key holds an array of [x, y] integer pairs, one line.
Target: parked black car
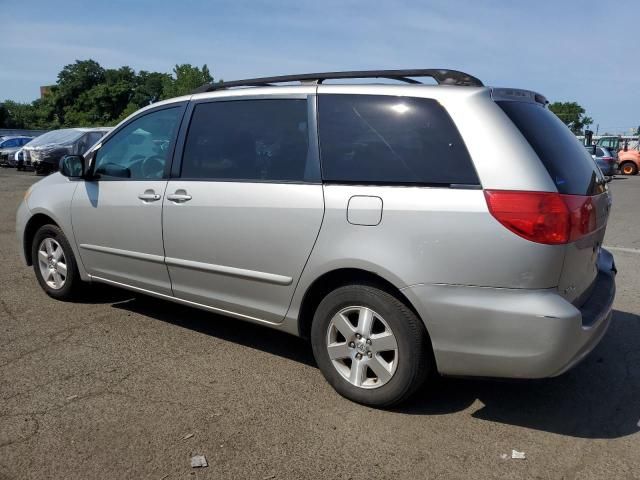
{"points": [[44, 153]]}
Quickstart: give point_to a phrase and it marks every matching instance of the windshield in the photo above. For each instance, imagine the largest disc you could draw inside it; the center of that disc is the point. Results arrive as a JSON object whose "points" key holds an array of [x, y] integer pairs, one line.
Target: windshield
{"points": [[58, 137]]}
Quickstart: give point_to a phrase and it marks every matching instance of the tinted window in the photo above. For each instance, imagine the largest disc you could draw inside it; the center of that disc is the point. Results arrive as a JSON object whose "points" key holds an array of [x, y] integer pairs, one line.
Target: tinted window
{"points": [[249, 140], [140, 149], [385, 139], [569, 164], [599, 152], [10, 143]]}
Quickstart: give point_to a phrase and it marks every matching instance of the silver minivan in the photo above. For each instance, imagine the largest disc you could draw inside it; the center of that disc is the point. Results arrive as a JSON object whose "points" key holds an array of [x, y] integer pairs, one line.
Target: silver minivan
{"points": [[405, 229]]}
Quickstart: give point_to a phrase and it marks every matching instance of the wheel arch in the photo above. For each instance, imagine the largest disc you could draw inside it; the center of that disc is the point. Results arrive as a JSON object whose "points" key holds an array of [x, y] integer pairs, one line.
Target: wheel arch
{"points": [[336, 278], [32, 226]]}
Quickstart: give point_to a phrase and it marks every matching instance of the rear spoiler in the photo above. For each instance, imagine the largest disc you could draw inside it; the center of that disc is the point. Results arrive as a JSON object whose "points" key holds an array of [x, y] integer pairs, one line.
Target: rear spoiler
{"points": [[516, 94]]}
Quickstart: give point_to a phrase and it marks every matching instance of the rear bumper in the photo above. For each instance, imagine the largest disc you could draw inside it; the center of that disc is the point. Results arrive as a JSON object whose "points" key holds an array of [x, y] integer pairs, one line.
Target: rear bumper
{"points": [[514, 333]]}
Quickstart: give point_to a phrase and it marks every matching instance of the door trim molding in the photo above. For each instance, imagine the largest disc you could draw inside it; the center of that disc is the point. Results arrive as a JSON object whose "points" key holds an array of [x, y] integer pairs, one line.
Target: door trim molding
{"points": [[230, 271], [193, 265], [123, 253]]}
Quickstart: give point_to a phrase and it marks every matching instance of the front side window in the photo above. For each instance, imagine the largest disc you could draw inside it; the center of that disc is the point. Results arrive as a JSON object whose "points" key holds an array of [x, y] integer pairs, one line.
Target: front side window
{"points": [[383, 139], [249, 140], [141, 149]]}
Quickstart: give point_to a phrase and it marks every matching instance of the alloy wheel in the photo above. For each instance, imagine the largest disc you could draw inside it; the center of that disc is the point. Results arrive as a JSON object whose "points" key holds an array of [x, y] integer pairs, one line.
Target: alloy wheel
{"points": [[362, 347], [52, 263]]}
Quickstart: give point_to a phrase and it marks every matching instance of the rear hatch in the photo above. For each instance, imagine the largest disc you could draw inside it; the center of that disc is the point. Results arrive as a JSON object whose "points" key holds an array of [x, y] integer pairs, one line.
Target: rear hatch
{"points": [[581, 185]]}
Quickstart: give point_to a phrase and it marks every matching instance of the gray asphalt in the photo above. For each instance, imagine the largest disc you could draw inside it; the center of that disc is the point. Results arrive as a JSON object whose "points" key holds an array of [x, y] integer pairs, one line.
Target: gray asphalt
{"points": [[113, 386]]}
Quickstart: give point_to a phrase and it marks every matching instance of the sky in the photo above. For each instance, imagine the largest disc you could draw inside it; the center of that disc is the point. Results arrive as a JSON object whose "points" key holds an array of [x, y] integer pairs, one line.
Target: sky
{"points": [[567, 50]]}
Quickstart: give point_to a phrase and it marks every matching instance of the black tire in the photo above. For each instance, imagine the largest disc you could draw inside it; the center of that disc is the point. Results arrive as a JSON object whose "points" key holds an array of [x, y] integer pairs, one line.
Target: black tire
{"points": [[628, 168], [73, 284], [414, 358]]}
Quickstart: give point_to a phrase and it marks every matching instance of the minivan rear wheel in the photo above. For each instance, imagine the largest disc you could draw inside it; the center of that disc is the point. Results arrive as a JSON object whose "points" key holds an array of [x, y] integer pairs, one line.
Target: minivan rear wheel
{"points": [[370, 346], [54, 263]]}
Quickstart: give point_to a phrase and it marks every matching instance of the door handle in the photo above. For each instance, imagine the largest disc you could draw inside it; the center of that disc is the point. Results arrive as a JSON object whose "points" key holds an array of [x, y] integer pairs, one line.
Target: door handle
{"points": [[149, 196], [180, 196]]}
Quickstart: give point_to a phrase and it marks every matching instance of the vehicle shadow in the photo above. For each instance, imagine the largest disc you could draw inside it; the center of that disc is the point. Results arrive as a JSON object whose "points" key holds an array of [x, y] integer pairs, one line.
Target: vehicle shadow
{"points": [[600, 398], [243, 333], [102, 294]]}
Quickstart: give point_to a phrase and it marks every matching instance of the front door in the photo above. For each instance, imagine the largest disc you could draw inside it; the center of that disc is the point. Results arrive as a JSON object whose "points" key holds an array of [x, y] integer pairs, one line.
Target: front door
{"points": [[117, 218], [242, 217]]}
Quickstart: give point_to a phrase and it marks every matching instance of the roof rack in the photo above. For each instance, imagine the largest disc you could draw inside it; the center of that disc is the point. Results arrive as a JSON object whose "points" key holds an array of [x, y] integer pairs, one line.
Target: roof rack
{"points": [[443, 77]]}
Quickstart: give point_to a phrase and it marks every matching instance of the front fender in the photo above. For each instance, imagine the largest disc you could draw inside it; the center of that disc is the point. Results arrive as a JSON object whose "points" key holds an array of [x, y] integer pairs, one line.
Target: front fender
{"points": [[52, 197]]}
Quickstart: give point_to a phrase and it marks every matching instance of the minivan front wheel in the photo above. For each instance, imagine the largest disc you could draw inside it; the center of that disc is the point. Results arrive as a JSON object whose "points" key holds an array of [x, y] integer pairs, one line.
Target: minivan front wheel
{"points": [[54, 263], [369, 346]]}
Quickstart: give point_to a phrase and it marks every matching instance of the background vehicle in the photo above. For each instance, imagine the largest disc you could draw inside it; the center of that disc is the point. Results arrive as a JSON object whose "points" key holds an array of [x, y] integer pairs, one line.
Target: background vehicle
{"points": [[43, 154], [217, 201], [15, 159], [627, 151], [9, 147], [604, 159]]}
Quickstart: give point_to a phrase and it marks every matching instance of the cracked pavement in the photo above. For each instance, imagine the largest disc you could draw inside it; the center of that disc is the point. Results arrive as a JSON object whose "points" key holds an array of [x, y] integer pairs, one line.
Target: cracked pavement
{"points": [[110, 387]]}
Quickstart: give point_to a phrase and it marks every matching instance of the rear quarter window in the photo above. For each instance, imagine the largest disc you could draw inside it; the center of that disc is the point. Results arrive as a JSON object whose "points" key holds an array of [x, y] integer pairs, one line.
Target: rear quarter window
{"points": [[569, 164], [382, 139]]}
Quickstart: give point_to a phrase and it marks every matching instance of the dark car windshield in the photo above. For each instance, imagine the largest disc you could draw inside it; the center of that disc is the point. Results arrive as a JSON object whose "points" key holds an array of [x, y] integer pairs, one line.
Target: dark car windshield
{"points": [[64, 136], [569, 164]]}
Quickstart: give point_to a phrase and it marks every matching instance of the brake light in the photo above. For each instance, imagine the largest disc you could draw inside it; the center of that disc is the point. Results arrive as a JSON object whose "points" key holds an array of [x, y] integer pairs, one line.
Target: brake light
{"points": [[543, 217], [608, 159]]}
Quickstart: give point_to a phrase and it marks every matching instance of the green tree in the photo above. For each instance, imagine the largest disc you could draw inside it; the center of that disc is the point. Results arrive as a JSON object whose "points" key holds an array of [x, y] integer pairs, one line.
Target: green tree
{"points": [[74, 80], [4, 116], [186, 79], [572, 115], [17, 115], [86, 94], [149, 88], [103, 103]]}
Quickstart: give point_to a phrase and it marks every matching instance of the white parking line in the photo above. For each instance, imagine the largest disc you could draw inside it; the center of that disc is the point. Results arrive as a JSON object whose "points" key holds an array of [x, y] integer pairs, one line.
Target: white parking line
{"points": [[622, 249]]}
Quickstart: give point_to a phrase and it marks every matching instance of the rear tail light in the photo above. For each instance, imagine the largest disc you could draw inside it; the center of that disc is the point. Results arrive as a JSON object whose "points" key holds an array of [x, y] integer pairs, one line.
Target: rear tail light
{"points": [[543, 217], [608, 159]]}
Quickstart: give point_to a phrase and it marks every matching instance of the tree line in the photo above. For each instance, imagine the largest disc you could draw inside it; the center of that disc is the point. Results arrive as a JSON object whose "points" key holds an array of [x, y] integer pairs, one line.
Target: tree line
{"points": [[88, 95]]}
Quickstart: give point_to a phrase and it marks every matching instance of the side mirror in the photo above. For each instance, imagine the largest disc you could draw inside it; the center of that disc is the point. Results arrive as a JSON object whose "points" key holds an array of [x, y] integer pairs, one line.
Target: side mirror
{"points": [[72, 166]]}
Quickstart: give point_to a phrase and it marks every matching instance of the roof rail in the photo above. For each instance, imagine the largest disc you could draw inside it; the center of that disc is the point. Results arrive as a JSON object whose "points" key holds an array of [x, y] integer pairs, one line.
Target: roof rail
{"points": [[443, 77]]}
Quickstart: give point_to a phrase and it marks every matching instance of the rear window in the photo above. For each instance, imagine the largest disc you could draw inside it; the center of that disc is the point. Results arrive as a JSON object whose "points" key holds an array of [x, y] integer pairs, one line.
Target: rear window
{"points": [[384, 139], [569, 164]]}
